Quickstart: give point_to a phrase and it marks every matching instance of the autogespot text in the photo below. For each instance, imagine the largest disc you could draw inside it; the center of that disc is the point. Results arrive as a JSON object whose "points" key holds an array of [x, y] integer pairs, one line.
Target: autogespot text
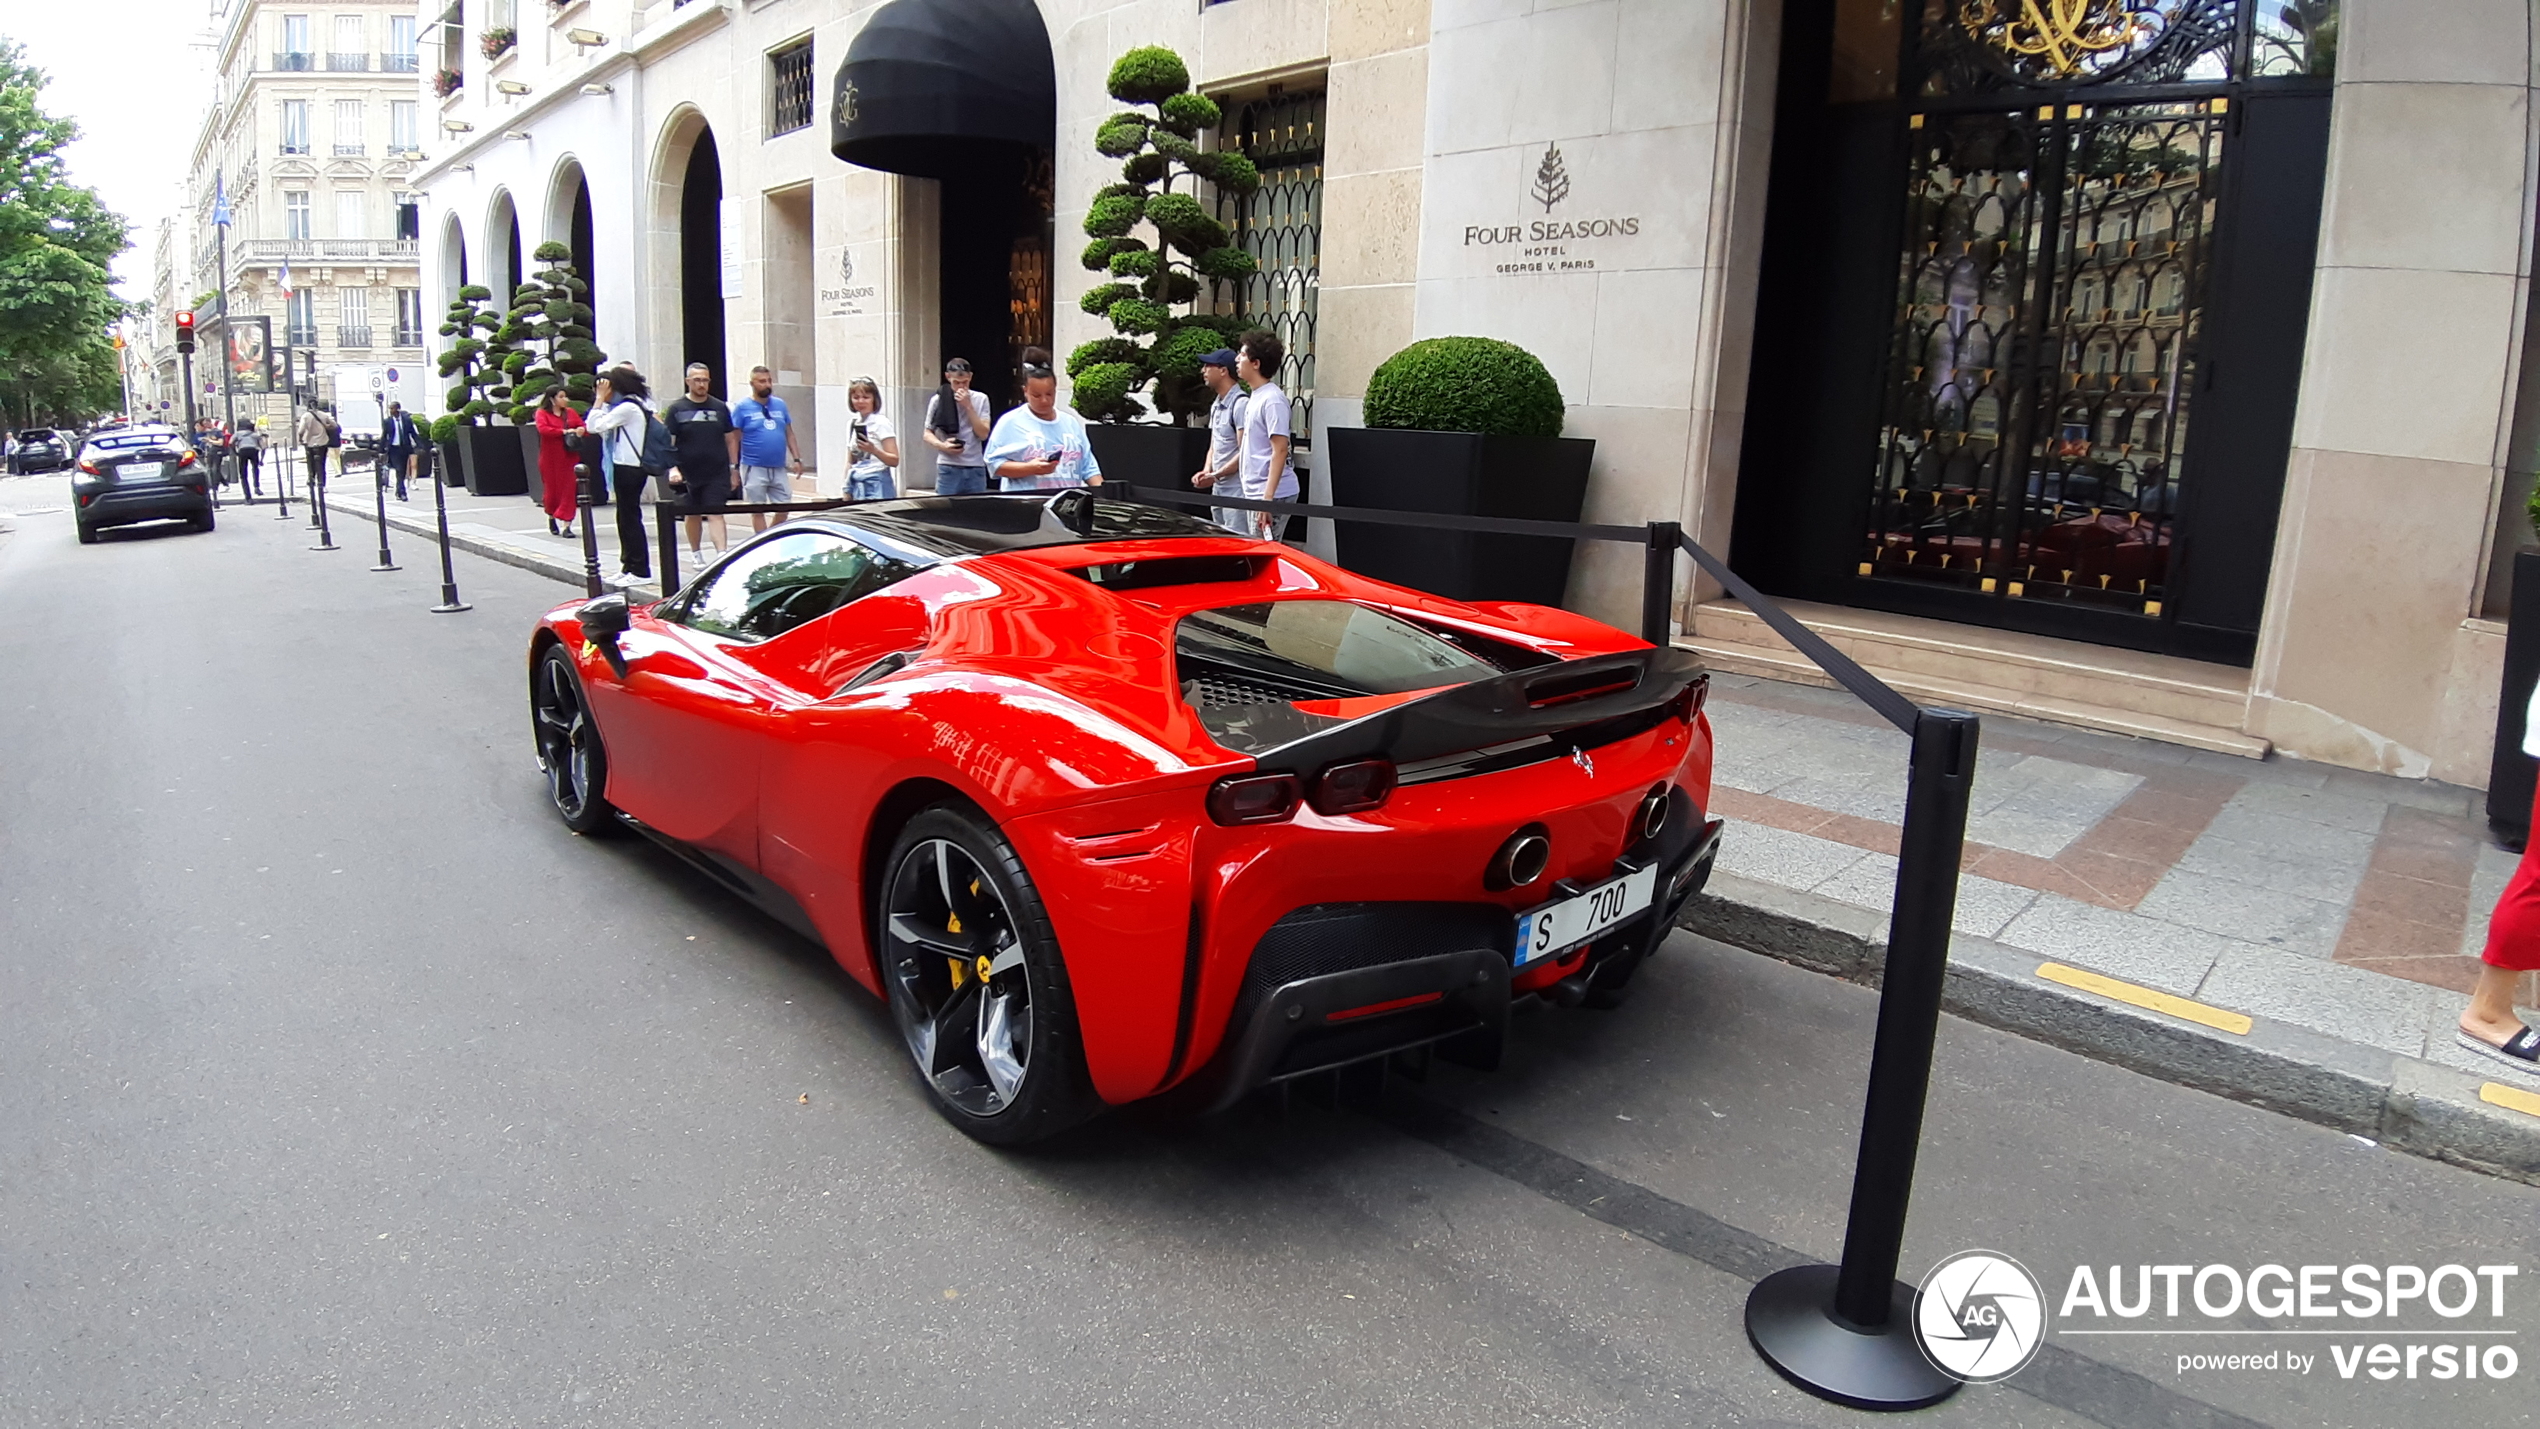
{"points": [[2467, 1302]]}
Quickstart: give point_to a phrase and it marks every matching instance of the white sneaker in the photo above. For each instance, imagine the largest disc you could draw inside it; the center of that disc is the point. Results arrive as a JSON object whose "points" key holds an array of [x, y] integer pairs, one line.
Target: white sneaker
{"points": [[623, 580]]}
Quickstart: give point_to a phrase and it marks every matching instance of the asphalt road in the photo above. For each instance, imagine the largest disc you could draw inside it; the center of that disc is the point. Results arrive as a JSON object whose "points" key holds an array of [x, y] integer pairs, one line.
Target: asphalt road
{"points": [[339, 1085]]}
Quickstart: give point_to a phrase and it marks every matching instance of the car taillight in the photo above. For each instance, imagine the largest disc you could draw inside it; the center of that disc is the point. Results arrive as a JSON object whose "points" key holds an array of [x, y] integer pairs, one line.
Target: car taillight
{"points": [[91, 468], [190, 459], [1688, 706], [1254, 798], [1352, 788]]}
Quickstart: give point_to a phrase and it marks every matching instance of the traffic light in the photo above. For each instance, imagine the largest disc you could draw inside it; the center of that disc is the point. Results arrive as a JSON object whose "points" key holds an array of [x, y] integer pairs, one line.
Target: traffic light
{"points": [[185, 331]]}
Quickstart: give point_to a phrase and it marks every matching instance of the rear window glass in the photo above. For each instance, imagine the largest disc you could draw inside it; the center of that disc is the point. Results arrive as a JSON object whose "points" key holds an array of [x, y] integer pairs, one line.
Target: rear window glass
{"points": [[117, 441], [1317, 650]]}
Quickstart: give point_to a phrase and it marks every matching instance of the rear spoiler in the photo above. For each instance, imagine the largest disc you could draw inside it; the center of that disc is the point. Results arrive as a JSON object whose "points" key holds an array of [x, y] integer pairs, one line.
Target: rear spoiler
{"points": [[1525, 707]]}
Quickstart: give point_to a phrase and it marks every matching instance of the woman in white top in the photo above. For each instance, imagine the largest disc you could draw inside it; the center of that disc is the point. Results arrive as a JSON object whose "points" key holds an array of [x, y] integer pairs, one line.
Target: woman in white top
{"points": [[621, 405], [877, 445]]}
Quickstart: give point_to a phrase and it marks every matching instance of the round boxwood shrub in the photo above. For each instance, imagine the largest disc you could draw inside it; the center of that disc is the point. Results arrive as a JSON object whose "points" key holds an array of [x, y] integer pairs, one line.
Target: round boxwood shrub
{"points": [[1465, 384]]}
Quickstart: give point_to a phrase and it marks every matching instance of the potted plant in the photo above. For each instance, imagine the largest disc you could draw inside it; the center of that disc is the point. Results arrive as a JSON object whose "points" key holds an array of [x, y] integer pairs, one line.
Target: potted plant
{"points": [[445, 445], [489, 460], [1464, 426], [498, 41], [1140, 391], [550, 337], [446, 82]]}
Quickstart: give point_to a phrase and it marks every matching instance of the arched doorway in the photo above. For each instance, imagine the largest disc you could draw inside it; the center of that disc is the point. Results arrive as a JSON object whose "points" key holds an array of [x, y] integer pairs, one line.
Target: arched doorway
{"points": [[569, 221], [701, 333], [502, 244], [453, 264], [964, 92]]}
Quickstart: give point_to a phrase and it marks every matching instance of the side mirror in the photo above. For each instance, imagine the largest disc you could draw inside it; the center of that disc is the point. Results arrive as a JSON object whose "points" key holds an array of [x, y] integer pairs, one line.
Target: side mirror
{"points": [[603, 620]]}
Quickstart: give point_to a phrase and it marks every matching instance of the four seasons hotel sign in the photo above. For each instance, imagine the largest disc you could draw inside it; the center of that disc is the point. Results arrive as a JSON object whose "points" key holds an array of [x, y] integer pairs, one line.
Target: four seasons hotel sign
{"points": [[1545, 239]]}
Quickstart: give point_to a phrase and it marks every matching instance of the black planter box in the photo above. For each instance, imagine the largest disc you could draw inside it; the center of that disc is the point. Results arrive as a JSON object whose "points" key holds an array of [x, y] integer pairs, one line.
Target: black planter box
{"points": [[2511, 773], [532, 485], [447, 465], [1459, 474], [491, 458], [1145, 455]]}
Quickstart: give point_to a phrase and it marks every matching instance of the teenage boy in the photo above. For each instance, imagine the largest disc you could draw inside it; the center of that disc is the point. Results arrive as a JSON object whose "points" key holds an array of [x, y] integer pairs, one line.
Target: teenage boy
{"points": [[1268, 472], [764, 448]]}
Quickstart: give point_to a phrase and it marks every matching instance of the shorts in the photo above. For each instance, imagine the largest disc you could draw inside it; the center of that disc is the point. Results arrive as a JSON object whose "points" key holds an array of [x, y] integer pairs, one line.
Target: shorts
{"points": [[960, 480], [706, 492], [878, 487], [766, 486]]}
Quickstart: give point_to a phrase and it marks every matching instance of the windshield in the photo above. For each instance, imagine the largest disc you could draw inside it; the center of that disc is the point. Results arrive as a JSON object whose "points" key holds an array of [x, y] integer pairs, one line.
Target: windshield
{"points": [[1247, 668]]}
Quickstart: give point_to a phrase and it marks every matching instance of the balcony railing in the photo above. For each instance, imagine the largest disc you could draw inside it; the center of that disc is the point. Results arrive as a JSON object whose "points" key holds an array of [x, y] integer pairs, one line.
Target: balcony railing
{"points": [[410, 337], [351, 151], [292, 146], [352, 337], [299, 336], [294, 60], [398, 64], [355, 63], [268, 251]]}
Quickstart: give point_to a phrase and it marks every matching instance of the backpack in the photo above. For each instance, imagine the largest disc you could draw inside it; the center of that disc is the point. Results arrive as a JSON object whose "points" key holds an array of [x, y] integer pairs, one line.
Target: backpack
{"points": [[659, 455]]}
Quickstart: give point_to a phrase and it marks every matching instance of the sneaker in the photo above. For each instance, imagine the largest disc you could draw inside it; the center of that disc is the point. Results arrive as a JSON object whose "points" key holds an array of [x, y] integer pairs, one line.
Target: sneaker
{"points": [[624, 579]]}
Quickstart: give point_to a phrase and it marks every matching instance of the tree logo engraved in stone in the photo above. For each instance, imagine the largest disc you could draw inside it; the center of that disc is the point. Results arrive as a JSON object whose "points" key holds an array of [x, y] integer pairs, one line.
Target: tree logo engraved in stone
{"points": [[2067, 34], [846, 265], [1552, 180]]}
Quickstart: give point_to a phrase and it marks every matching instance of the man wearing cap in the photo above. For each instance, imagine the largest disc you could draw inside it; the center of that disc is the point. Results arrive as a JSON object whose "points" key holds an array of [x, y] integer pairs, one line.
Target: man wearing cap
{"points": [[1223, 476]]}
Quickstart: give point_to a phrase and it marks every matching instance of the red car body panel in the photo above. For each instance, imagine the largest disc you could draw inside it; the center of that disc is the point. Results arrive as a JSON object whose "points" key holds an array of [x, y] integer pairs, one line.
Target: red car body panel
{"points": [[1052, 703]]}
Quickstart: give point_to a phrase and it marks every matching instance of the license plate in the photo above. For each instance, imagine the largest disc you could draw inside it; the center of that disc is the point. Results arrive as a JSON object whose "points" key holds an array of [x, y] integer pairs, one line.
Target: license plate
{"points": [[142, 470], [1564, 923]]}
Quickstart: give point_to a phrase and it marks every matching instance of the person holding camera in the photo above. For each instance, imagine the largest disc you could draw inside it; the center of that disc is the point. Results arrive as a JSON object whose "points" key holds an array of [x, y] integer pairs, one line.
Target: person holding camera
{"points": [[957, 427], [875, 443]]}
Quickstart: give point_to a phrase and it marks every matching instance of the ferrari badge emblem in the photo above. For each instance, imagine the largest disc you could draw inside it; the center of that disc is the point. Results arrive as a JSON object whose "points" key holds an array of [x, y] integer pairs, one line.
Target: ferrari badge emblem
{"points": [[1580, 758]]}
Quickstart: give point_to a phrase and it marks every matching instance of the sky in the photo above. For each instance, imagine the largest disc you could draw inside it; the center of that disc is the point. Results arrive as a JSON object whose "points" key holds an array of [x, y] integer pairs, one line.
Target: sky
{"points": [[135, 75]]}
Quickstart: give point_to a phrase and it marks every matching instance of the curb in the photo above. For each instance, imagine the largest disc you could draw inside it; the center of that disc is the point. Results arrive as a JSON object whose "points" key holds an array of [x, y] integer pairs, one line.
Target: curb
{"points": [[2403, 1103]]}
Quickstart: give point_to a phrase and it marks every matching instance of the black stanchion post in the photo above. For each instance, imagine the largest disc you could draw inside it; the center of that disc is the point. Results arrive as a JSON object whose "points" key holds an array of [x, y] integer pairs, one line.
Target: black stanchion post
{"points": [[281, 488], [386, 561], [582, 479], [1846, 1333], [326, 527], [1658, 583], [666, 517], [450, 602], [316, 492]]}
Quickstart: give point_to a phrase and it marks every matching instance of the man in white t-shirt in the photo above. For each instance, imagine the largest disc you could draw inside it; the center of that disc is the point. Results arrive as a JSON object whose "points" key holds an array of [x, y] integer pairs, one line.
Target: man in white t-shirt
{"points": [[957, 428], [1269, 474], [1223, 476]]}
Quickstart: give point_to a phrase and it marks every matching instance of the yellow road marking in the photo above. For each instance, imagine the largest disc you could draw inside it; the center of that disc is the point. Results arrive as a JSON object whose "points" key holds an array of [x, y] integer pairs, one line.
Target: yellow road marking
{"points": [[2236, 1023], [2527, 1103]]}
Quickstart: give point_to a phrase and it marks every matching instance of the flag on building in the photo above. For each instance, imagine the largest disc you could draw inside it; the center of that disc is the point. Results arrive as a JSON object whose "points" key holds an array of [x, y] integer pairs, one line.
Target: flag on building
{"points": [[286, 277]]}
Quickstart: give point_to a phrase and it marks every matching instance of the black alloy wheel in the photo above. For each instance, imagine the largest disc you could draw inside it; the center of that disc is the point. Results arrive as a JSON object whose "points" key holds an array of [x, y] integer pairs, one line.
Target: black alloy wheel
{"points": [[569, 749], [976, 983]]}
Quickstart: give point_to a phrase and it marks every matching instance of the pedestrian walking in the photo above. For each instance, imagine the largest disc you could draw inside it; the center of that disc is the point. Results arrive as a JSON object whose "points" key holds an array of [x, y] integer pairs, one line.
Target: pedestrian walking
{"points": [[559, 429], [706, 443], [1269, 468], [768, 455], [622, 415], [398, 440], [2489, 1025], [1223, 475], [957, 423], [873, 442], [1041, 446], [250, 448], [314, 438]]}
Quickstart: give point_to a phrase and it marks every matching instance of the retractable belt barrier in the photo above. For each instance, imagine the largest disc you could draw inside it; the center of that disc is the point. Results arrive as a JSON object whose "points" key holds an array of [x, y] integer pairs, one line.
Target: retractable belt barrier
{"points": [[1843, 1333]]}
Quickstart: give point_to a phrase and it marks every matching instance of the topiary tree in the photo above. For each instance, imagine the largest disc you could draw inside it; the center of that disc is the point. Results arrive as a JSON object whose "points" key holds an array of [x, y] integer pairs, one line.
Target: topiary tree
{"points": [[1157, 352], [464, 360], [1465, 384], [552, 340]]}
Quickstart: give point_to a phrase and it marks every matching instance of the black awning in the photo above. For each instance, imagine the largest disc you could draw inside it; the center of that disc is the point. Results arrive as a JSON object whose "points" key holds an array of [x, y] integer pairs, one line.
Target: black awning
{"points": [[925, 77]]}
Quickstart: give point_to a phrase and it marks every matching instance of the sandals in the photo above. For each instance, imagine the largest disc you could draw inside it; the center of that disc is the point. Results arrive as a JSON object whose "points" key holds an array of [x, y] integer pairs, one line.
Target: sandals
{"points": [[2521, 1051]]}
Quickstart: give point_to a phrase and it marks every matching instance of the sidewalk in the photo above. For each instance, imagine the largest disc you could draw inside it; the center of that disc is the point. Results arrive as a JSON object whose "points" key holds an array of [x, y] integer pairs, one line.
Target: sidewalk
{"points": [[2333, 917], [2288, 934]]}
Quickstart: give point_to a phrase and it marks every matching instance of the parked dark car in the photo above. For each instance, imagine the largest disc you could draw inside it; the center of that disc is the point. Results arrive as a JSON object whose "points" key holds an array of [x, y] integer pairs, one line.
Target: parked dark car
{"points": [[143, 473], [39, 449]]}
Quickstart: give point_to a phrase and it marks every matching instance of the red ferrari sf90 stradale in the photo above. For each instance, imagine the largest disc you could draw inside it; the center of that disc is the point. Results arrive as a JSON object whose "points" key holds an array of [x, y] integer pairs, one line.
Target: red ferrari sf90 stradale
{"points": [[1109, 802]]}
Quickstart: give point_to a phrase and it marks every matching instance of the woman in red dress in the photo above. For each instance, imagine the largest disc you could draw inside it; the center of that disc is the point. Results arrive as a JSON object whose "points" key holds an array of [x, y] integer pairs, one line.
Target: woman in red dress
{"points": [[555, 460], [2489, 1024]]}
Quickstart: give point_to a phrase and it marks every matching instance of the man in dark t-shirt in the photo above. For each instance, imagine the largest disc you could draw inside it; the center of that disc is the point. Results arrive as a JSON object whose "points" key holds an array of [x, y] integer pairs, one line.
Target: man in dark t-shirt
{"points": [[702, 436]]}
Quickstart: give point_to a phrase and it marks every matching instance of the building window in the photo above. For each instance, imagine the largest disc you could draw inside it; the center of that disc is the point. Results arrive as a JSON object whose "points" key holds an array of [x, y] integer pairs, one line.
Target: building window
{"points": [[352, 317], [410, 317], [350, 221], [1281, 226], [399, 57], [789, 88], [295, 126], [300, 327], [409, 217], [403, 136], [348, 127], [294, 53], [351, 50], [295, 213]]}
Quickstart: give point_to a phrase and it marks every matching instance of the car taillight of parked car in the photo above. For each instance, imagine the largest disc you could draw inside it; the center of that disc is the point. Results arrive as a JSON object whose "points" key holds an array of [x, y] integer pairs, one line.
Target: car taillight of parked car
{"points": [[1352, 788], [1688, 706], [1254, 798], [91, 468]]}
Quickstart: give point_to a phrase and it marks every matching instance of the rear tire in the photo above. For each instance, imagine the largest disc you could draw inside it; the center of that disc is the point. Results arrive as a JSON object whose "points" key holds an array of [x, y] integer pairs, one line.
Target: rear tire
{"points": [[87, 534], [202, 521], [567, 739], [1000, 1054]]}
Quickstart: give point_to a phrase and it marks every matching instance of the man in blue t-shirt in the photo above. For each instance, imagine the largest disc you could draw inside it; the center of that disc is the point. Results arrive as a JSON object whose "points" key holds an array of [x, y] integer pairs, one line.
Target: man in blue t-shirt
{"points": [[1040, 446], [763, 434]]}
